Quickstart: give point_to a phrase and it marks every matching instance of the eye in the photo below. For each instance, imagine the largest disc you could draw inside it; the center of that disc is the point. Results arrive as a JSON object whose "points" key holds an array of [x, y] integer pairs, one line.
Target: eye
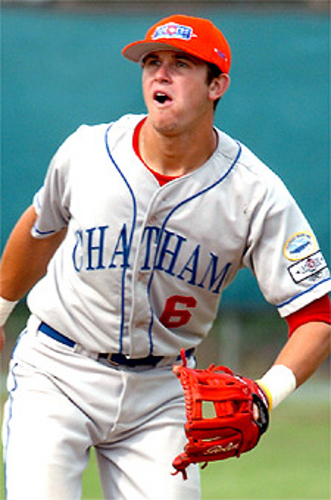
{"points": [[151, 62], [182, 63]]}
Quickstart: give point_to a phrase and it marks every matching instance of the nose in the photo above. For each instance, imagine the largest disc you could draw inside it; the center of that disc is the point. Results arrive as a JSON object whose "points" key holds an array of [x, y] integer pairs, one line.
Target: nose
{"points": [[163, 73]]}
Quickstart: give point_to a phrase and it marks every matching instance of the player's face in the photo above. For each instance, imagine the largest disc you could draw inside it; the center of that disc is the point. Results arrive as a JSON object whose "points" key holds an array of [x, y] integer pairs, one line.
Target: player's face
{"points": [[176, 91]]}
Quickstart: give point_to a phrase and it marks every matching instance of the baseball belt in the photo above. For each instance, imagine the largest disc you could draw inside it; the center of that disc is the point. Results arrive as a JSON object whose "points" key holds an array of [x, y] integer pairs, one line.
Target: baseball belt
{"points": [[113, 359]]}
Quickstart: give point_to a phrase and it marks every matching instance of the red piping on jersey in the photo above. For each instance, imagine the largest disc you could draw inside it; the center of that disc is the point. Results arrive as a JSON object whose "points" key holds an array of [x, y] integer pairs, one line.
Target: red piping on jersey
{"points": [[161, 178], [319, 310]]}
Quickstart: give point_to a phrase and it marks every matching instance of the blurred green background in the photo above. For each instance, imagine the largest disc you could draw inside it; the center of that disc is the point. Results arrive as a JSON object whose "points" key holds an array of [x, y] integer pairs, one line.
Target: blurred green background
{"points": [[61, 66]]}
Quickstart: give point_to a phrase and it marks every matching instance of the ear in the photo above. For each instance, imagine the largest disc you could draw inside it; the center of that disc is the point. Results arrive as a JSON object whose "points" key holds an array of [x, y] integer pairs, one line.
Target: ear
{"points": [[219, 86]]}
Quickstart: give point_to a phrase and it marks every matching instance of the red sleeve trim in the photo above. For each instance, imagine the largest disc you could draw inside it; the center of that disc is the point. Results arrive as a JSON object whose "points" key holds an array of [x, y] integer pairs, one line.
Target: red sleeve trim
{"points": [[319, 310]]}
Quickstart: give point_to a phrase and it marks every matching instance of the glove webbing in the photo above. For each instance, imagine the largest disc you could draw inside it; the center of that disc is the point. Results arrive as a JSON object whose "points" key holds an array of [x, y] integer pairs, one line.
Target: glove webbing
{"points": [[233, 430]]}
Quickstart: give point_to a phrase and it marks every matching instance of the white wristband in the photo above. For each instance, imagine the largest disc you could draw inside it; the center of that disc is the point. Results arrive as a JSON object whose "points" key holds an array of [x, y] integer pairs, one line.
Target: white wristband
{"points": [[6, 307], [278, 383]]}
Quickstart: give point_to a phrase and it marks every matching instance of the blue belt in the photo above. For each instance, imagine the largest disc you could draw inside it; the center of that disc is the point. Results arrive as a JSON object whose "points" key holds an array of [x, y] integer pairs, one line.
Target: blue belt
{"points": [[48, 330], [115, 359]]}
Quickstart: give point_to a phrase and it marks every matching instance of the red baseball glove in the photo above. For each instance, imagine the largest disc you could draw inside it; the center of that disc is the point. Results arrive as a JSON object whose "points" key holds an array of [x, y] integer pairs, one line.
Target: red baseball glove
{"points": [[236, 426]]}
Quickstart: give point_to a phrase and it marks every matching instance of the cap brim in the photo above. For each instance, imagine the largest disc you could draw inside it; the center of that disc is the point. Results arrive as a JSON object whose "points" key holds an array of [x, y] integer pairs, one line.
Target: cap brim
{"points": [[138, 50]]}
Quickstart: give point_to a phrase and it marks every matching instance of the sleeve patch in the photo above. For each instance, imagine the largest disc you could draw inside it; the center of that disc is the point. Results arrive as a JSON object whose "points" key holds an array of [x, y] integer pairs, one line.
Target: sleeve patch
{"points": [[308, 268], [299, 245]]}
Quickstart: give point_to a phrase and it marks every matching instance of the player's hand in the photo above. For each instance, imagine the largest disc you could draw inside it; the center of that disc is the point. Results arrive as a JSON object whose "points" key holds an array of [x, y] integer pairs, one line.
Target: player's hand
{"points": [[241, 414], [256, 412], [2, 338]]}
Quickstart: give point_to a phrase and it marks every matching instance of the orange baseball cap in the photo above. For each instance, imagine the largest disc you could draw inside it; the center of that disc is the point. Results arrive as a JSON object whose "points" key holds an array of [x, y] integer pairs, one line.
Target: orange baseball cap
{"points": [[196, 36]]}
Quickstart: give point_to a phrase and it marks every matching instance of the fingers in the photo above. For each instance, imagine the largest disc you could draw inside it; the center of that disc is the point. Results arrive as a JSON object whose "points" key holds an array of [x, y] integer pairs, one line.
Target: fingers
{"points": [[256, 413]]}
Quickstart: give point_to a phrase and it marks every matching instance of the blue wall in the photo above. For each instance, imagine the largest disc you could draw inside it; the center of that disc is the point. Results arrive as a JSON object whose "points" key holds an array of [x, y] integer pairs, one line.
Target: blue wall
{"points": [[62, 69]]}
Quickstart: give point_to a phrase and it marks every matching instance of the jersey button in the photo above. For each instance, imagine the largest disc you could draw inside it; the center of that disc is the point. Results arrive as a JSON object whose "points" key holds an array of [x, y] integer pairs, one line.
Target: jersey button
{"points": [[152, 219], [143, 277]]}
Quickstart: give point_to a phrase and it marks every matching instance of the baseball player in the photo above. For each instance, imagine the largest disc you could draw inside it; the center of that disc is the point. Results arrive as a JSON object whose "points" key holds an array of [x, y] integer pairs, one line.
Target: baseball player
{"points": [[140, 226]]}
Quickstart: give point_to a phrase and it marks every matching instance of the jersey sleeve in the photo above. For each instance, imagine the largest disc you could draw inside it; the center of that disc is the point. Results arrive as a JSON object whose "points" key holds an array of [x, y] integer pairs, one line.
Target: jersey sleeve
{"points": [[319, 310], [282, 250], [52, 201]]}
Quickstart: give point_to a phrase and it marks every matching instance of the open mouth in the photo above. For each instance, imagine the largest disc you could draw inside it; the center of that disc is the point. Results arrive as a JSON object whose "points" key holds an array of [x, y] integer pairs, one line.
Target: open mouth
{"points": [[161, 98]]}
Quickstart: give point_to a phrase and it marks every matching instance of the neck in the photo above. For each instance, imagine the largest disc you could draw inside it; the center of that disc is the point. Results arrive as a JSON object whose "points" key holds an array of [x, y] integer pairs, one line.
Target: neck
{"points": [[176, 154]]}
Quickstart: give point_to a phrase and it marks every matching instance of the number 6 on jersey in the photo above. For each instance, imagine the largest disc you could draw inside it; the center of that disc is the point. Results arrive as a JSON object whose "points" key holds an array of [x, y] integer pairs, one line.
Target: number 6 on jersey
{"points": [[173, 317]]}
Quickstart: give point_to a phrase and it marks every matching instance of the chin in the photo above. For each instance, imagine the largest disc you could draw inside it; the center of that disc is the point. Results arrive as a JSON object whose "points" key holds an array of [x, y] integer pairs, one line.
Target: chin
{"points": [[165, 127]]}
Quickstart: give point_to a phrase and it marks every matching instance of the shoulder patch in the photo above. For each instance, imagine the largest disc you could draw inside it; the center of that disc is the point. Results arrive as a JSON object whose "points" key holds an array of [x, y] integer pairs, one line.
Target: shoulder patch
{"points": [[299, 246], [308, 268]]}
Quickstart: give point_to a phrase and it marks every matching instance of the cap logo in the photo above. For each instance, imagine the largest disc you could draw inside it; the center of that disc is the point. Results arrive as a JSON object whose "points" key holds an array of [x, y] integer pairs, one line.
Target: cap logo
{"points": [[221, 54], [173, 30]]}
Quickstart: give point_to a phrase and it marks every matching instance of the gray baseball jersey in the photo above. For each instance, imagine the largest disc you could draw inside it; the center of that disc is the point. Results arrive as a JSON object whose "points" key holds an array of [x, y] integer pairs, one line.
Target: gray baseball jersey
{"points": [[143, 267]]}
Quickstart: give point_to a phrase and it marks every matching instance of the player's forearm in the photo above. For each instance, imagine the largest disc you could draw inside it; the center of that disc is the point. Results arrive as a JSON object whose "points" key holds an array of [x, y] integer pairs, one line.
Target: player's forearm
{"points": [[305, 351], [19, 268], [25, 258]]}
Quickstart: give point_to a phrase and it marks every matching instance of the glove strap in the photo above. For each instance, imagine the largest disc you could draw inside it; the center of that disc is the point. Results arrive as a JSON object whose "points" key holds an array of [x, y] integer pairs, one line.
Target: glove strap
{"points": [[263, 420], [183, 357]]}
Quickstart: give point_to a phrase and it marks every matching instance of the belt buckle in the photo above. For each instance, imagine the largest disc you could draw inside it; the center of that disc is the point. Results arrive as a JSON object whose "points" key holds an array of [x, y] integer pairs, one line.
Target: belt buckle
{"points": [[111, 361]]}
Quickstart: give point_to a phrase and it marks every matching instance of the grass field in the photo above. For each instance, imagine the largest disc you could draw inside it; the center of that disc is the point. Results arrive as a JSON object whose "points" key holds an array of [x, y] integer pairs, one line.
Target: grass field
{"points": [[292, 461]]}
